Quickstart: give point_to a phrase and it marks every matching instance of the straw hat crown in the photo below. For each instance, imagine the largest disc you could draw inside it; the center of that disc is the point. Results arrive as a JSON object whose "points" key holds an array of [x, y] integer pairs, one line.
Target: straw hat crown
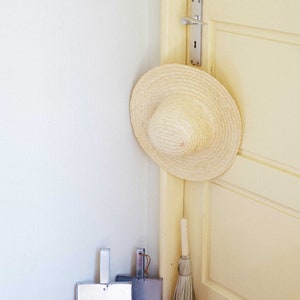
{"points": [[186, 121]]}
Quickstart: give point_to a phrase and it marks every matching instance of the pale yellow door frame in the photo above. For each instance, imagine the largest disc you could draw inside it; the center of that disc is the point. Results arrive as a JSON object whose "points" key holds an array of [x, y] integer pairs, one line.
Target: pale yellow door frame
{"points": [[173, 33], [173, 50]]}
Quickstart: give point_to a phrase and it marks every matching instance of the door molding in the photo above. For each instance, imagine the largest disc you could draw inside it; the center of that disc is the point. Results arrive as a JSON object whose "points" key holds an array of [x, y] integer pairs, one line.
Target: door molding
{"points": [[173, 50]]}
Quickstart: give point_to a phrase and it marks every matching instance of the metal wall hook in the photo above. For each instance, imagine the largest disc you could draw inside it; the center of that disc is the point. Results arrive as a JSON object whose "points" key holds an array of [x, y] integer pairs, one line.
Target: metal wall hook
{"points": [[195, 20]]}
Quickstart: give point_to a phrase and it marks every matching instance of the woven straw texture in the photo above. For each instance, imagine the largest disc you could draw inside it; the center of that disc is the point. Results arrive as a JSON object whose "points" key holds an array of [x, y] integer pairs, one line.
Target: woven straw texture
{"points": [[186, 121]]}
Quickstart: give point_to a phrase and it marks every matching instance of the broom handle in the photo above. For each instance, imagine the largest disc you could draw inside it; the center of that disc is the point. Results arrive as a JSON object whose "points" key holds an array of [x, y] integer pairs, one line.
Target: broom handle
{"points": [[184, 238]]}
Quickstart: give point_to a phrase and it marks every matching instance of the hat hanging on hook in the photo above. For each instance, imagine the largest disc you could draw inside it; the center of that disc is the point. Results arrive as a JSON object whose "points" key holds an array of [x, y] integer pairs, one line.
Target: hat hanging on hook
{"points": [[186, 121]]}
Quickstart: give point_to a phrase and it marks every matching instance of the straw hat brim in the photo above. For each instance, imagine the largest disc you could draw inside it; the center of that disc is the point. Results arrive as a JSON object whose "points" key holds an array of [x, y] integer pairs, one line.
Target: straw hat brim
{"points": [[171, 80]]}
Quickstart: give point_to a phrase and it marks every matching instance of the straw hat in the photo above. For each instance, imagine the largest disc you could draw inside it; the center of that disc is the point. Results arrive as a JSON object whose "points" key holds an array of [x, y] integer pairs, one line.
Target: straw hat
{"points": [[186, 121]]}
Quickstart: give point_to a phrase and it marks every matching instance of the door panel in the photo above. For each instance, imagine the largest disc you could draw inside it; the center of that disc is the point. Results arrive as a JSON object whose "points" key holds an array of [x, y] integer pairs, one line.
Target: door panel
{"points": [[261, 69], [252, 247], [244, 226]]}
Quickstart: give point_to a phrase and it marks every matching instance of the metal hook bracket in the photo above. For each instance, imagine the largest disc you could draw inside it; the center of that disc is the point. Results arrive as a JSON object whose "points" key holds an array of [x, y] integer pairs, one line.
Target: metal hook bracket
{"points": [[195, 32]]}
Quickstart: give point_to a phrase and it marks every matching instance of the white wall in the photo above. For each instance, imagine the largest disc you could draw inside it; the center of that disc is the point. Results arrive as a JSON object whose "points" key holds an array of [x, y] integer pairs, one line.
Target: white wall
{"points": [[72, 177]]}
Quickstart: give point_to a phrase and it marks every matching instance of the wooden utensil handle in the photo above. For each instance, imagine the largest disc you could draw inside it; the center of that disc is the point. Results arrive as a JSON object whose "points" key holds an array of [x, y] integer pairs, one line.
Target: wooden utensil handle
{"points": [[184, 238]]}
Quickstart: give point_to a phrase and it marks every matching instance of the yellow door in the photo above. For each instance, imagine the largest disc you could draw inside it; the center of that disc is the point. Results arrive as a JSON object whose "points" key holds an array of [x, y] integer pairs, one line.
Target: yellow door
{"points": [[245, 225]]}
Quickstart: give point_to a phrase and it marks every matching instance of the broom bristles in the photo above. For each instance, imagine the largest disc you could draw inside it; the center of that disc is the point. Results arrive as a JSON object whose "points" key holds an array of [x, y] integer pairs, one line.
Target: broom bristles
{"points": [[184, 285]]}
